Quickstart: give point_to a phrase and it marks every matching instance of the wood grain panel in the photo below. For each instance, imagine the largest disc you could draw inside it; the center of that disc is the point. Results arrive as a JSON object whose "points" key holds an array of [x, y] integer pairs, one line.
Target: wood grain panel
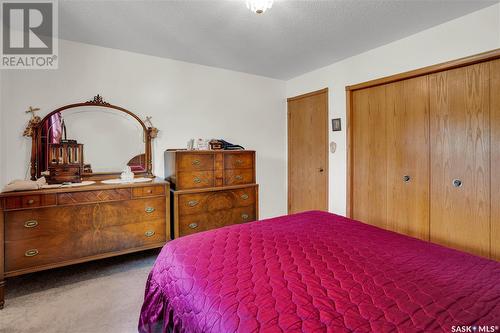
{"points": [[195, 179], [238, 176], [219, 169], [93, 196], [460, 149], [29, 201], [191, 224], [197, 203], [408, 155], [61, 247], [195, 162], [238, 160], [369, 186], [308, 152], [148, 191], [495, 158], [71, 220]]}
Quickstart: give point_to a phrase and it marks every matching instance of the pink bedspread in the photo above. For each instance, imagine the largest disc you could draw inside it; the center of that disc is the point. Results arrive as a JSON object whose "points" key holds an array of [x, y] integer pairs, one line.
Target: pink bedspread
{"points": [[317, 272]]}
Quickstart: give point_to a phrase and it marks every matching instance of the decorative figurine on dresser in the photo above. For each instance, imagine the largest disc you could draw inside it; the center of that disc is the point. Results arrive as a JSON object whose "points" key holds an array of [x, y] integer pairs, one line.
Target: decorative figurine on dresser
{"points": [[211, 188], [92, 212]]}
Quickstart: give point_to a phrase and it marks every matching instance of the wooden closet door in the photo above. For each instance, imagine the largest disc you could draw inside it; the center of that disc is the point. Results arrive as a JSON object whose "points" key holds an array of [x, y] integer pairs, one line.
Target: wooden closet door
{"points": [[460, 149], [408, 157], [369, 147], [495, 158], [308, 152]]}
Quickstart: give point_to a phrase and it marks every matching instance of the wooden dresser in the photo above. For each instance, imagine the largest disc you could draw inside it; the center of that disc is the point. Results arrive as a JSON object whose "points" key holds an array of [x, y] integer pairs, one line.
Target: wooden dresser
{"points": [[57, 227], [211, 189]]}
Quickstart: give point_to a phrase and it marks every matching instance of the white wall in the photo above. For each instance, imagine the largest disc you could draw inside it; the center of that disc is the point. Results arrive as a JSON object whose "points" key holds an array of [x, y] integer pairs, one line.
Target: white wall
{"points": [[468, 35], [185, 100]]}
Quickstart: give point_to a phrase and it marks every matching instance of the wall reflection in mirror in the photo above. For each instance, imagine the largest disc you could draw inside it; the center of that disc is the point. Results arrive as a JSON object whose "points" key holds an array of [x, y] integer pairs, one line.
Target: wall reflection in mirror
{"points": [[96, 139]]}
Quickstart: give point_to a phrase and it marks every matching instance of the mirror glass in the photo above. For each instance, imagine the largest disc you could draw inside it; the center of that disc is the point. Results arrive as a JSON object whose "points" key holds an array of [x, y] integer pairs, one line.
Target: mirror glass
{"points": [[109, 139]]}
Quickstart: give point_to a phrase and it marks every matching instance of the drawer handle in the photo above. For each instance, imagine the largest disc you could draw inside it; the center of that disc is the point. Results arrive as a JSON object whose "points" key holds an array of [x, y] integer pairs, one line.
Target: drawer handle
{"points": [[149, 209], [197, 180], [31, 253], [149, 233], [239, 162], [193, 225], [406, 178], [192, 203], [31, 201], [149, 191], [30, 224], [196, 162], [245, 216], [244, 196], [457, 183], [238, 177]]}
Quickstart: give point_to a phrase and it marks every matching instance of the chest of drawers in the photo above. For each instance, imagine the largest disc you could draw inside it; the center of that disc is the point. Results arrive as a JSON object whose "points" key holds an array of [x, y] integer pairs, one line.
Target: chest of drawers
{"points": [[211, 189], [204, 169], [52, 228]]}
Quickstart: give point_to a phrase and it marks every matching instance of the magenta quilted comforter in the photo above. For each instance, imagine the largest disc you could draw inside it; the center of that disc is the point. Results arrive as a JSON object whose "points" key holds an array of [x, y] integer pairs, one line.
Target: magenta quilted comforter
{"points": [[317, 272]]}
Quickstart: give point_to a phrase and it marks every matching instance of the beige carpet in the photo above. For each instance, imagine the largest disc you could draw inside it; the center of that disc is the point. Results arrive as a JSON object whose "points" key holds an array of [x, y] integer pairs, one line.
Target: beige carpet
{"points": [[102, 296]]}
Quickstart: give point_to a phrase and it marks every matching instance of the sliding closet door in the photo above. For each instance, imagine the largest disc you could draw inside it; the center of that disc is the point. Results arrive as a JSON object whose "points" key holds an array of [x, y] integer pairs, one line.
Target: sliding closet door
{"points": [[495, 158], [408, 157], [369, 186], [460, 158]]}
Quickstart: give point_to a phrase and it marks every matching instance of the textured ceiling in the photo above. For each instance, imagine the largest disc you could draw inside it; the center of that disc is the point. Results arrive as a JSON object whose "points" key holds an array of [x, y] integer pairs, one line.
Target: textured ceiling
{"points": [[292, 38]]}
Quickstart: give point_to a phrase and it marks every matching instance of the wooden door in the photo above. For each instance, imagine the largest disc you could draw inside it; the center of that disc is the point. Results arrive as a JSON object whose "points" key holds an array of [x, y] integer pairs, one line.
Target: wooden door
{"points": [[308, 152], [408, 157], [495, 158], [369, 161], [460, 158]]}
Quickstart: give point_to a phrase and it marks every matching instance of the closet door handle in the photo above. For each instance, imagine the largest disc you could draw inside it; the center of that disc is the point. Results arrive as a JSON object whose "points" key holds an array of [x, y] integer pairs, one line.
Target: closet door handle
{"points": [[406, 178], [457, 183]]}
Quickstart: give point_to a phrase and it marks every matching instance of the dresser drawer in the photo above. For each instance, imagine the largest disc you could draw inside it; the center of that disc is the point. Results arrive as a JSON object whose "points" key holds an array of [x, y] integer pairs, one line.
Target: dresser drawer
{"points": [[238, 160], [195, 162], [197, 203], [195, 179], [28, 253], [244, 196], [93, 196], [52, 222], [30, 201], [191, 224], [238, 176], [147, 191]]}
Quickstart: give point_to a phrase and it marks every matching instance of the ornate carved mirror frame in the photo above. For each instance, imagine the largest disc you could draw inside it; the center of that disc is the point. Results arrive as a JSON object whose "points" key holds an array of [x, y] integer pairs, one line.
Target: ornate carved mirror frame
{"points": [[36, 136]]}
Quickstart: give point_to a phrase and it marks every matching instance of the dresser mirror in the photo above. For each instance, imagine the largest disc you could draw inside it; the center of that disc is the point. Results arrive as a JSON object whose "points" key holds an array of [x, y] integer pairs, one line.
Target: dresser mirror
{"points": [[91, 140]]}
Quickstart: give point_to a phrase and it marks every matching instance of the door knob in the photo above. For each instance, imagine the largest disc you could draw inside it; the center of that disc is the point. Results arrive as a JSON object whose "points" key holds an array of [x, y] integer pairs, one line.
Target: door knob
{"points": [[457, 183], [406, 178]]}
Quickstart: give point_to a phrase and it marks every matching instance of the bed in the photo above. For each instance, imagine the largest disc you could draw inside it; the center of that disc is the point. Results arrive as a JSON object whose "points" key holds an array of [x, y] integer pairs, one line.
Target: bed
{"points": [[317, 272]]}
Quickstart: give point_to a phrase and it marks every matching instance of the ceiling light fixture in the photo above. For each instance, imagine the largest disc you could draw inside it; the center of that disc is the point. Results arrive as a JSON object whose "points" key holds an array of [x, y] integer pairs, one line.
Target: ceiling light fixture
{"points": [[259, 6]]}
